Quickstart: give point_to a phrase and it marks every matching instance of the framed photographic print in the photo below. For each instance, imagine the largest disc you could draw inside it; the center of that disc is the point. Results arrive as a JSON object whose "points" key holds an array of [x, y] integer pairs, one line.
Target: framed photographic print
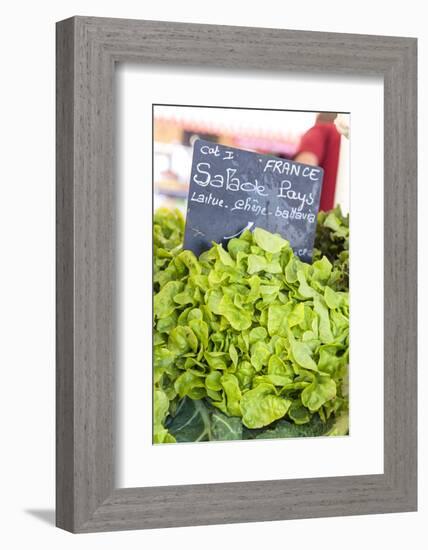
{"points": [[236, 274]]}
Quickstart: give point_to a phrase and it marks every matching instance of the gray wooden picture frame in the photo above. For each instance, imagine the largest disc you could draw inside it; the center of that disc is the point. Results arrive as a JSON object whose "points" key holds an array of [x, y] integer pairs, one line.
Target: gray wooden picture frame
{"points": [[87, 51]]}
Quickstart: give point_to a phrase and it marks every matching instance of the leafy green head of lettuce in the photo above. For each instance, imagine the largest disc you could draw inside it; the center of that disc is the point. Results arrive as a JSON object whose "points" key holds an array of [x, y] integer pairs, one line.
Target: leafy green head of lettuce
{"points": [[250, 330]]}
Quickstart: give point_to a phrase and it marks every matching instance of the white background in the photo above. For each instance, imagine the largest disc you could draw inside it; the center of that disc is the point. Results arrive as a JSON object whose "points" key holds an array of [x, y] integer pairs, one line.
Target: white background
{"points": [[27, 273], [362, 451]]}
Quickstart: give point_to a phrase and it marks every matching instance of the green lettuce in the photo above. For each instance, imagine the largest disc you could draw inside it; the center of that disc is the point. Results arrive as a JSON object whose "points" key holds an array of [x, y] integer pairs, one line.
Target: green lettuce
{"points": [[332, 242], [248, 336], [196, 420]]}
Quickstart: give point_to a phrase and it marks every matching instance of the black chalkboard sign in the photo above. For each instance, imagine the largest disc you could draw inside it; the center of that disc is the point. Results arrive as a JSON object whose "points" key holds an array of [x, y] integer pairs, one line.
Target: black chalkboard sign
{"points": [[232, 190]]}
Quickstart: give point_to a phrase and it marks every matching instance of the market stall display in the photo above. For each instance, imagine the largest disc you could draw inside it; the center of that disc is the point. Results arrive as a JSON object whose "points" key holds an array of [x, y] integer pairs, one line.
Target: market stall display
{"points": [[249, 341]]}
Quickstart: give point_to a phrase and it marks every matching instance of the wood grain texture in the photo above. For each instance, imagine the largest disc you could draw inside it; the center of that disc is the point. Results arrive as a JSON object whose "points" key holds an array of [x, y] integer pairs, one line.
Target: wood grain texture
{"points": [[87, 49], [64, 278]]}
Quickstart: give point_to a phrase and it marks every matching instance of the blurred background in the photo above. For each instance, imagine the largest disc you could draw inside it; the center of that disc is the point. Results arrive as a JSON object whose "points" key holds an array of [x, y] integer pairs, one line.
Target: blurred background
{"points": [[313, 138]]}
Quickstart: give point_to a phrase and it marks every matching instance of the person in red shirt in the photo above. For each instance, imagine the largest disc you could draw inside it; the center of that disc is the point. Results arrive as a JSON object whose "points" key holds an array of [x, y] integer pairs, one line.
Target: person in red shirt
{"points": [[320, 146]]}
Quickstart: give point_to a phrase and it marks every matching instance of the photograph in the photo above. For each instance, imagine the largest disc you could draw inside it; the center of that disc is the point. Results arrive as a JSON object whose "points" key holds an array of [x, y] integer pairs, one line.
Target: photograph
{"points": [[210, 275], [250, 274]]}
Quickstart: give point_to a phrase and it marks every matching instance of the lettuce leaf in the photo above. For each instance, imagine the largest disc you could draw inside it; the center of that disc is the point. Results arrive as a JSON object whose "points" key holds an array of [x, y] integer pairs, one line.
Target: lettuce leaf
{"points": [[196, 420]]}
